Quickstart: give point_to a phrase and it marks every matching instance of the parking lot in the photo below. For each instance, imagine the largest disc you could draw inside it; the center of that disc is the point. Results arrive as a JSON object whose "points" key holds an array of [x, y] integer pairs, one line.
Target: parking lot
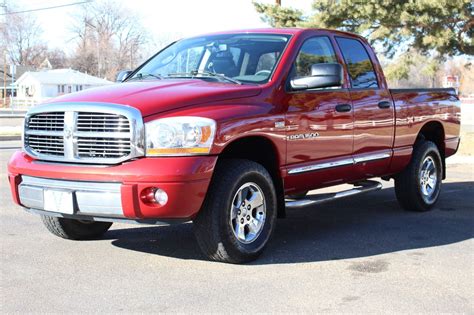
{"points": [[356, 255]]}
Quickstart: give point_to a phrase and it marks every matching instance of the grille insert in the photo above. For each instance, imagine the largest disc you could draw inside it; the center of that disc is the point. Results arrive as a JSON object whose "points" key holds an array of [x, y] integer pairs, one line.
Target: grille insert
{"points": [[47, 121], [102, 122], [103, 147], [51, 145]]}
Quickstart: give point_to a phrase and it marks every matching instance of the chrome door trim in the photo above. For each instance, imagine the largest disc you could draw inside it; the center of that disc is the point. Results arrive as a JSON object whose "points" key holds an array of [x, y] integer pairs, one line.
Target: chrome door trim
{"points": [[341, 162], [371, 157], [320, 166]]}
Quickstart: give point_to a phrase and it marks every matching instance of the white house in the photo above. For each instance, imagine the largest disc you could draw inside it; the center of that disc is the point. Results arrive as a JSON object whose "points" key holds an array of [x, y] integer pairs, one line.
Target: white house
{"points": [[50, 83]]}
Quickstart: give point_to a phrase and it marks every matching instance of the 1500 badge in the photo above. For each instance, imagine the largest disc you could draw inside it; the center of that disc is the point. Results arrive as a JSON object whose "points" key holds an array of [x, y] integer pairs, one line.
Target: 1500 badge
{"points": [[303, 136]]}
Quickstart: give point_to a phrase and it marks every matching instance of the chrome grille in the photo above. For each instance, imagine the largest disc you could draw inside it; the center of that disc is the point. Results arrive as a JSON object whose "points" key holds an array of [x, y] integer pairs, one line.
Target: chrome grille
{"points": [[53, 121], [51, 145], [102, 122], [103, 147], [84, 133]]}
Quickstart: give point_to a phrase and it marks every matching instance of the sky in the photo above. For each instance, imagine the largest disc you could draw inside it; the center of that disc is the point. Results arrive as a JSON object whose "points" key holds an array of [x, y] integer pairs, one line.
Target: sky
{"points": [[166, 20]]}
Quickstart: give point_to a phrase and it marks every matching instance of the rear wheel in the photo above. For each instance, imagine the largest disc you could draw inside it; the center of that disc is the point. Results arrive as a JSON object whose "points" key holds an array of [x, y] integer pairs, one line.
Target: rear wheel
{"points": [[75, 229], [239, 213], [418, 186]]}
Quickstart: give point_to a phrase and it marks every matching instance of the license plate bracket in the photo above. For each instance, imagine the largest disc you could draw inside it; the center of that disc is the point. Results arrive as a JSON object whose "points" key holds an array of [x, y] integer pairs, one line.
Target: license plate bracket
{"points": [[56, 200]]}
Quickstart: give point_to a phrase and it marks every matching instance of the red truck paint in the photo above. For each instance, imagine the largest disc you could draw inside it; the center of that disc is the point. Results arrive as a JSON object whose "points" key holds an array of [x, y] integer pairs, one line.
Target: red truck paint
{"points": [[243, 111]]}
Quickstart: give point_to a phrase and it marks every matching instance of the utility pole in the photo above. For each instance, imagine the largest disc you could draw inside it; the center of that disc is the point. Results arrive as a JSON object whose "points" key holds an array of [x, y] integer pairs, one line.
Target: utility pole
{"points": [[5, 58], [4, 78]]}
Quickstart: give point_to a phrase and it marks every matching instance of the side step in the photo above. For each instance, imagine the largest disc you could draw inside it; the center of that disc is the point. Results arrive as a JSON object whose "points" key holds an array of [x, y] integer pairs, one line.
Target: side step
{"points": [[360, 188]]}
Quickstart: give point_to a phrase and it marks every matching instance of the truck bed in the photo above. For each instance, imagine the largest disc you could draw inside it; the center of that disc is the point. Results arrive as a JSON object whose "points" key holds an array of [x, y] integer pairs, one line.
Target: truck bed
{"points": [[415, 107]]}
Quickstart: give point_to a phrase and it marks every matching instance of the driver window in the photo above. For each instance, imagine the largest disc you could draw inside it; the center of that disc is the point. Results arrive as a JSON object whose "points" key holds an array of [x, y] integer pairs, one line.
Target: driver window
{"points": [[314, 50], [225, 62]]}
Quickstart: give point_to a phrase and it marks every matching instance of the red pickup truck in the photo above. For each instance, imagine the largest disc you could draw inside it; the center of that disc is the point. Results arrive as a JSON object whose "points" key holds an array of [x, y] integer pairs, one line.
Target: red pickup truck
{"points": [[230, 130]]}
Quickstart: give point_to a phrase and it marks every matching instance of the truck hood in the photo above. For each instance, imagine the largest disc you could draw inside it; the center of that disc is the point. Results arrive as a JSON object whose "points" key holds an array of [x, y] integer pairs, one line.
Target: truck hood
{"points": [[156, 96]]}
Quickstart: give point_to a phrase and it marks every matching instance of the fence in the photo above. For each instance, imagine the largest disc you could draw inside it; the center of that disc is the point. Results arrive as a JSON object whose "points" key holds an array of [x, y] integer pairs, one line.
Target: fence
{"points": [[21, 103]]}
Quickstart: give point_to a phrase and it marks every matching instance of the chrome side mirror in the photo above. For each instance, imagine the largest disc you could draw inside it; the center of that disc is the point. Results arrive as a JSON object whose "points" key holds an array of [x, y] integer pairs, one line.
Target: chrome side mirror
{"points": [[322, 75]]}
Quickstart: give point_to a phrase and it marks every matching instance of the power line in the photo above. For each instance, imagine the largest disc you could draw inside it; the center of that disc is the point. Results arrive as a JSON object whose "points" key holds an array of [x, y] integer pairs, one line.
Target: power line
{"points": [[47, 8]]}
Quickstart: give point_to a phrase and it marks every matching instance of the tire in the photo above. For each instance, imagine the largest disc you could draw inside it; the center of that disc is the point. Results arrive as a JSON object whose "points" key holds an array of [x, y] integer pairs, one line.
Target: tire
{"points": [[74, 229], [231, 234], [418, 186]]}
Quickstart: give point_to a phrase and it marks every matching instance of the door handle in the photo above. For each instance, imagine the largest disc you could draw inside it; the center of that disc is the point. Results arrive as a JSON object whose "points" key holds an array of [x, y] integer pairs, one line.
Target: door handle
{"points": [[342, 108], [384, 104]]}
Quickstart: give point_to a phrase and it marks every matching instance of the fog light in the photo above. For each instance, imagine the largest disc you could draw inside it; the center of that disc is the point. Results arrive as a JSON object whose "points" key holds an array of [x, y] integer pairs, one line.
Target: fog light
{"points": [[161, 196], [152, 195]]}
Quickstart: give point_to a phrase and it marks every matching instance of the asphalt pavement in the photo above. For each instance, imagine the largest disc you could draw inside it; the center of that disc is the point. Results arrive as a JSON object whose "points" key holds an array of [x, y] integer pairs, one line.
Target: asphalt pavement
{"points": [[358, 255]]}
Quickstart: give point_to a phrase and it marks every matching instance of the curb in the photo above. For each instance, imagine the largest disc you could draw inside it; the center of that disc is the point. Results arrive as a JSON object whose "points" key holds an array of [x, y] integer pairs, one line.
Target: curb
{"points": [[12, 115], [10, 138]]}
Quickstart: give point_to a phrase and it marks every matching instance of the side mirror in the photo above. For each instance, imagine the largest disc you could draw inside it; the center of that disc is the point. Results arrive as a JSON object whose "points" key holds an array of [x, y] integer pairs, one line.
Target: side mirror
{"points": [[322, 75], [122, 75]]}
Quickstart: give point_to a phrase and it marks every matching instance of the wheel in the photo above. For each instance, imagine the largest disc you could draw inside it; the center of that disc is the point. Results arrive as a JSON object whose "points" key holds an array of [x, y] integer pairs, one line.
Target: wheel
{"points": [[297, 196], [239, 213], [75, 229], [418, 186]]}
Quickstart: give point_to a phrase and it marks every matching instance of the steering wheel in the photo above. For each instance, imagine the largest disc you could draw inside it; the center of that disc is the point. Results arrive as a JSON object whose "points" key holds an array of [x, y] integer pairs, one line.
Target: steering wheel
{"points": [[263, 73]]}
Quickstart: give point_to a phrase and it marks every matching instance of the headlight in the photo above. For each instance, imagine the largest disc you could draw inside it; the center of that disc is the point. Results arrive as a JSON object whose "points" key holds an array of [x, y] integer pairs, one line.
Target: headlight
{"points": [[179, 136]]}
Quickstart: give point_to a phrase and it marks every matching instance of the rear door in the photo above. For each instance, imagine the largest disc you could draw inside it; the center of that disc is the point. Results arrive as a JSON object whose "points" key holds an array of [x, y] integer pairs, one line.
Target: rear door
{"points": [[373, 109]]}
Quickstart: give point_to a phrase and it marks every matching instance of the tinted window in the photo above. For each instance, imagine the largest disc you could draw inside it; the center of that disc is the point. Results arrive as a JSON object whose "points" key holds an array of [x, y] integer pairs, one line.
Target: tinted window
{"points": [[358, 63], [314, 50]]}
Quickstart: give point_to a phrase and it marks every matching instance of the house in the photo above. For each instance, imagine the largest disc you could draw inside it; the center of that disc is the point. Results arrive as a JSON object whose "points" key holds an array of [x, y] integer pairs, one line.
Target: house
{"points": [[7, 89], [51, 83]]}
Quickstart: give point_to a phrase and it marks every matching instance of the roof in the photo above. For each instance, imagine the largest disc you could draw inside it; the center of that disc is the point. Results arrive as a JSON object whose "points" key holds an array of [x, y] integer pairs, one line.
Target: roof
{"points": [[277, 30], [19, 72], [63, 76]]}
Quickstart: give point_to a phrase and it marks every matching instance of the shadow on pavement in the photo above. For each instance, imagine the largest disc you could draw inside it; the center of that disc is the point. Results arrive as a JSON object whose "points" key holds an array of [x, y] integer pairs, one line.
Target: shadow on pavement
{"points": [[361, 226]]}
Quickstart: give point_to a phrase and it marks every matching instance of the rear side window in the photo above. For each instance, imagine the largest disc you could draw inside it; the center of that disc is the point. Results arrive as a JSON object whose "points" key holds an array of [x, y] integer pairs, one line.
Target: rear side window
{"points": [[314, 50], [358, 63]]}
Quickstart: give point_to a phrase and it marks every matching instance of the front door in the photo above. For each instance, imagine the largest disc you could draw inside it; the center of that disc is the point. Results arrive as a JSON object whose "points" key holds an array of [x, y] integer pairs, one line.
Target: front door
{"points": [[319, 125]]}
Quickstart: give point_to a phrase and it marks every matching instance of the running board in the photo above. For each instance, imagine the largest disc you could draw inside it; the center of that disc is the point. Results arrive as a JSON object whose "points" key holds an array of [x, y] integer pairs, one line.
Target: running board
{"points": [[360, 188]]}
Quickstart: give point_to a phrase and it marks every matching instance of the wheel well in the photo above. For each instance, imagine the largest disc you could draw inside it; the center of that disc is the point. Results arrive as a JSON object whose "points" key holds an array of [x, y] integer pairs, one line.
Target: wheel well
{"points": [[434, 132], [262, 151]]}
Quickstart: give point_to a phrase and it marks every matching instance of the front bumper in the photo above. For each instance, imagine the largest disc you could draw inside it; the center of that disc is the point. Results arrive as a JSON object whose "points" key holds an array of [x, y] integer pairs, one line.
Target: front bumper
{"points": [[114, 191]]}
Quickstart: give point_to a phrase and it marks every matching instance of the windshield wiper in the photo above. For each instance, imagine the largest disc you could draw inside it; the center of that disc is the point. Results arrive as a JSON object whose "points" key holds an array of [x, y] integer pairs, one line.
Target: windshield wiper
{"points": [[142, 76], [196, 73]]}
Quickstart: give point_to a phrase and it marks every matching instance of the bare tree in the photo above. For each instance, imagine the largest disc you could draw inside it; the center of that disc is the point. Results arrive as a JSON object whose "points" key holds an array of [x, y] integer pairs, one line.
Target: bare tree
{"points": [[109, 38], [20, 35], [57, 58]]}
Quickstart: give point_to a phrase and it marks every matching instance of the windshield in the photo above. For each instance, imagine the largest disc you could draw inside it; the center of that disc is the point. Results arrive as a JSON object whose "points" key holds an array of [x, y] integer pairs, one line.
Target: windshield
{"points": [[232, 58]]}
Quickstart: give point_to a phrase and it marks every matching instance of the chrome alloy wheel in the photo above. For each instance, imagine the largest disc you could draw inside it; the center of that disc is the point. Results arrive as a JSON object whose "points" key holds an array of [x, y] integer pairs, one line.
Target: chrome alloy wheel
{"points": [[428, 179], [248, 213]]}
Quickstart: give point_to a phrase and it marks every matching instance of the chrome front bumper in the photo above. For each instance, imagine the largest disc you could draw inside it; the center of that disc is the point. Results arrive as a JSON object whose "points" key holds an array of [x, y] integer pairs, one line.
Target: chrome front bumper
{"points": [[89, 198]]}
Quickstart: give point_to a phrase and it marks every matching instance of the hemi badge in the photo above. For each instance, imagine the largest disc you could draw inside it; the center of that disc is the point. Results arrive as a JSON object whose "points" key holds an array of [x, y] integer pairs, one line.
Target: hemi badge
{"points": [[280, 124]]}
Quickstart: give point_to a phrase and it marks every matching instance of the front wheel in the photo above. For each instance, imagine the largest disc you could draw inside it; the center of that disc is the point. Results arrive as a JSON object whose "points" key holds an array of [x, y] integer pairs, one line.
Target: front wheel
{"points": [[75, 229], [239, 213], [418, 186]]}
